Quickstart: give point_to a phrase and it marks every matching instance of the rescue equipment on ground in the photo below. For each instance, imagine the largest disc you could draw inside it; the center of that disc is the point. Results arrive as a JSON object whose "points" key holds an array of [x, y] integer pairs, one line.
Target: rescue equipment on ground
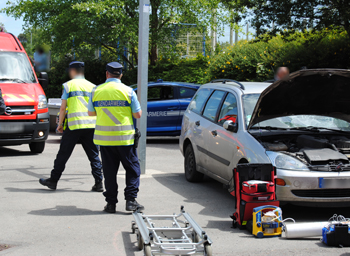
{"points": [[254, 186], [337, 232], [305, 229], [182, 237], [267, 221]]}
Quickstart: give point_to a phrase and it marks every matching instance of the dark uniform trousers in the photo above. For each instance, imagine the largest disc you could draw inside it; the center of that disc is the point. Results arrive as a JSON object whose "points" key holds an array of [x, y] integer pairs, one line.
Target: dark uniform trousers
{"points": [[111, 158], [69, 139]]}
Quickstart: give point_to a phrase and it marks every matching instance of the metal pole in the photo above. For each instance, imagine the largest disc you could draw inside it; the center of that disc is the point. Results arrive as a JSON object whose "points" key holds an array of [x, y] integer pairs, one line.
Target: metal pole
{"points": [[142, 78], [247, 31]]}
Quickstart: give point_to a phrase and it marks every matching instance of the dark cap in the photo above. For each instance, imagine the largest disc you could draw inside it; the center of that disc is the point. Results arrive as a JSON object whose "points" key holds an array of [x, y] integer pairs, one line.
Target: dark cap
{"points": [[114, 68], [76, 64]]}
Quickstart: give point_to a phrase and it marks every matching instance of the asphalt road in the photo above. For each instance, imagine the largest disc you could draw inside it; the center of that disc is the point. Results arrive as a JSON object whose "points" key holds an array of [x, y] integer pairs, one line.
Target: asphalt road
{"points": [[70, 221]]}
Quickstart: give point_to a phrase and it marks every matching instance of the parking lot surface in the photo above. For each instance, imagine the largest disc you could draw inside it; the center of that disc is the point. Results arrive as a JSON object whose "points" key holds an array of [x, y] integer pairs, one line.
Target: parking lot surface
{"points": [[70, 221]]}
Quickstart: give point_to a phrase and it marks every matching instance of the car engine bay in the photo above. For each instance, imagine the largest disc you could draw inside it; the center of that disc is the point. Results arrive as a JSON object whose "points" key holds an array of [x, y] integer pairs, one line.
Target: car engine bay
{"points": [[321, 152]]}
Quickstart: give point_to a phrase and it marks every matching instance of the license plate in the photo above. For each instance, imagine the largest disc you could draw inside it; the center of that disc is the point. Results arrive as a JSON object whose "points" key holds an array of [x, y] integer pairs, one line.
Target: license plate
{"points": [[337, 182], [11, 128]]}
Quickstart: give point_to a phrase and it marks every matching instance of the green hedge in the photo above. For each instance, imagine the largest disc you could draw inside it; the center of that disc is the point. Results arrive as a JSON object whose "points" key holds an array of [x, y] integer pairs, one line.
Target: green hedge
{"points": [[254, 60]]}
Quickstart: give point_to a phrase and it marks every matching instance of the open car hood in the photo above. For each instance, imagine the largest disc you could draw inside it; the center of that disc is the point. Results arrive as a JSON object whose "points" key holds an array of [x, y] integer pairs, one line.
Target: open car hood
{"points": [[324, 92]]}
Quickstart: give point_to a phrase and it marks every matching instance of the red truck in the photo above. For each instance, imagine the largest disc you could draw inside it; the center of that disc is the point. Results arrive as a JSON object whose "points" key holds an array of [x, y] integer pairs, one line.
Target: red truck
{"points": [[26, 119]]}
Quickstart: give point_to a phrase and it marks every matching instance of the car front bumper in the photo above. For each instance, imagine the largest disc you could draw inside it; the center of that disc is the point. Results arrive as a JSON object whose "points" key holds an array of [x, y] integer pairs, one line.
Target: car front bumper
{"points": [[24, 132], [303, 188]]}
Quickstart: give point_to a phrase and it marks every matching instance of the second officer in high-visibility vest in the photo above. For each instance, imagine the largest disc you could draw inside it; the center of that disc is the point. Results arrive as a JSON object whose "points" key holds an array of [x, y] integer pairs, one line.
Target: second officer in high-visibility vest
{"points": [[115, 105], [76, 94]]}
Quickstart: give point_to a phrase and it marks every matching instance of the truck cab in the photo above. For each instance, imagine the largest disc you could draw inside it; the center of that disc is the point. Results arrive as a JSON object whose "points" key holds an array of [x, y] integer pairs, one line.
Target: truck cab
{"points": [[26, 119]]}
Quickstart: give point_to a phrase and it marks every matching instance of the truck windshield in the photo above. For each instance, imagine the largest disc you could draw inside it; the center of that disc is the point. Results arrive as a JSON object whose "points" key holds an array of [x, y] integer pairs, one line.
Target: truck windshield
{"points": [[15, 68]]}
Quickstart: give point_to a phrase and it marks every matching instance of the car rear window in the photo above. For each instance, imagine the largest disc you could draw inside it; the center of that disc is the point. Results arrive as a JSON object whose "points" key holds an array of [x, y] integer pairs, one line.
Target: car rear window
{"points": [[187, 92], [199, 100]]}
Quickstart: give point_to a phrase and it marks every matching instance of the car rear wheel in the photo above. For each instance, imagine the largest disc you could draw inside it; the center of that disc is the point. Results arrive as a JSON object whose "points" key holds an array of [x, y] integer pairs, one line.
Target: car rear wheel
{"points": [[191, 173], [37, 147]]}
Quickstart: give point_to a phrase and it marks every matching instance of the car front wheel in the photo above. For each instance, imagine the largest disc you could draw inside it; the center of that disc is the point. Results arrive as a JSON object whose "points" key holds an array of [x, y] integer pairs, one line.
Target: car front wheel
{"points": [[37, 147], [191, 173]]}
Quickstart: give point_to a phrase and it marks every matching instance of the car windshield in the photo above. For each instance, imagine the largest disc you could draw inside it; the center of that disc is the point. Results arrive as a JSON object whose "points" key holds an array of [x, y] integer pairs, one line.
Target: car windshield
{"points": [[297, 121], [15, 68]]}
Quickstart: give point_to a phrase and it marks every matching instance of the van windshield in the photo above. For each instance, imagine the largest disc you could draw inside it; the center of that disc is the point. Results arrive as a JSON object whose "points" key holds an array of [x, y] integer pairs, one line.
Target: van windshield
{"points": [[15, 68]]}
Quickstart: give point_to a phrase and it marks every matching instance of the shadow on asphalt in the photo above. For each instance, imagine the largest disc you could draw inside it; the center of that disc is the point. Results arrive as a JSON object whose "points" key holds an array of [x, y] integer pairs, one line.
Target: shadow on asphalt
{"points": [[9, 152], [69, 210], [44, 190], [129, 244]]}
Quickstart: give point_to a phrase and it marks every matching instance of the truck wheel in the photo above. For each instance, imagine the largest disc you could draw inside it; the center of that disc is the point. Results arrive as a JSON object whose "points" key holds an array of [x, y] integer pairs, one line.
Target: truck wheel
{"points": [[191, 173], [37, 147]]}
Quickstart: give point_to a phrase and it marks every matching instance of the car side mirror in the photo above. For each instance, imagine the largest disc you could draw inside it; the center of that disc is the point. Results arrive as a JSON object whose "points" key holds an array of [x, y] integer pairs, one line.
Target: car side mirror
{"points": [[44, 80], [231, 126]]}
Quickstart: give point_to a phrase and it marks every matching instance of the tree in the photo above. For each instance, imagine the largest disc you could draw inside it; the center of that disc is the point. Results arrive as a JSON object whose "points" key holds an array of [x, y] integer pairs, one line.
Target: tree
{"points": [[111, 24], [293, 14]]}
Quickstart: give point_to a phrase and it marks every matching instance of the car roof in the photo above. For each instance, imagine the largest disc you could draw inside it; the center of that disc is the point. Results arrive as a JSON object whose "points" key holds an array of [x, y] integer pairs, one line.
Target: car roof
{"points": [[249, 87], [164, 83], [8, 42]]}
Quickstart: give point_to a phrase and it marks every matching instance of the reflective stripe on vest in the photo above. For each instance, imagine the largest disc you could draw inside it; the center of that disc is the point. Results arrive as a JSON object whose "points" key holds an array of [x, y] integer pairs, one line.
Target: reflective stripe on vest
{"points": [[114, 124], [79, 92]]}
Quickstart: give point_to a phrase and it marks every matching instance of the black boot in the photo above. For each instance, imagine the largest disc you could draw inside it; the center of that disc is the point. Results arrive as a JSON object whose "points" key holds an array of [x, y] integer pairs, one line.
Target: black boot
{"points": [[110, 208], [132, 206], [98, 187], [48, 183]]}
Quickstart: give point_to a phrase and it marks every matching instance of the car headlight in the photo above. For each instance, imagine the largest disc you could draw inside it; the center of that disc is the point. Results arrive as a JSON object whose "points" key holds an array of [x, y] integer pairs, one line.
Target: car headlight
{"points": [[283, 161], [42, 102]]}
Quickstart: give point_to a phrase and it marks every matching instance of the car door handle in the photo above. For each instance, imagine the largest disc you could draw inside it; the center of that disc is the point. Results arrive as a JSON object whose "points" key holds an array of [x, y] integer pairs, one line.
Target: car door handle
{"points": [[173, 108], [198, 123], [215, 133]]}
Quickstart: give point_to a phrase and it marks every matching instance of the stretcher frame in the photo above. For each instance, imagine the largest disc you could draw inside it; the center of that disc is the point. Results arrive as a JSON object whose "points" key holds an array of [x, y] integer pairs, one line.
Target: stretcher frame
{"points": [[185, 237]]}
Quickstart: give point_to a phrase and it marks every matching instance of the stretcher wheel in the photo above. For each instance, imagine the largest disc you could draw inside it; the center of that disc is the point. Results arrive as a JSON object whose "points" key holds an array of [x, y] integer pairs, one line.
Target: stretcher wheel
{"points": [[140, 243], [147, 250], [133, 227], [195, 237], [208, 250]]}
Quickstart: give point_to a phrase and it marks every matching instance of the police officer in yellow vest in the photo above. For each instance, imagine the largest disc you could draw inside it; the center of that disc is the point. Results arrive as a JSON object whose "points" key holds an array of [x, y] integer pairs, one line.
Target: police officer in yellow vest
{"points": [[76, 94], [115, 105]]}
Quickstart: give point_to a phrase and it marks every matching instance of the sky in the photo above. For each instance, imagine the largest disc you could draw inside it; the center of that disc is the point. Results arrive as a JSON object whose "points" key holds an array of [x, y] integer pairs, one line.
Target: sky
{"points": [[13, 26]]}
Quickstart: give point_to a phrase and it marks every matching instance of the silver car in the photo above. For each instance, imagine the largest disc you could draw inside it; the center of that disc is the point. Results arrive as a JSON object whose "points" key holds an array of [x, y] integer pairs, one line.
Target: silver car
{"points": [[299, 124]]}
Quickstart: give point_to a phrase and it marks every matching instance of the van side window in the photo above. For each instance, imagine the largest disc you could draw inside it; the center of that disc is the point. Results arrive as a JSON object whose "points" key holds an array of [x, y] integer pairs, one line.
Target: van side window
{"points": [[228, 110], [213, 105], [199, 100]]}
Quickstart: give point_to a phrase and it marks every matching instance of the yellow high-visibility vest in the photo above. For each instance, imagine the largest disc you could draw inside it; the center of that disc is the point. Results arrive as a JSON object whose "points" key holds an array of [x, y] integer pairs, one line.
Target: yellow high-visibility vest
{"points": [[114, 123], [79, 92]]}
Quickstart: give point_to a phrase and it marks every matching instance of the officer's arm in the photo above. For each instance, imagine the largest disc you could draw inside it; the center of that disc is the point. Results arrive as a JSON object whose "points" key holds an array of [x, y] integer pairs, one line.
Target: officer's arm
{"points": [[92, 113], [137, 115], [62, 112]]}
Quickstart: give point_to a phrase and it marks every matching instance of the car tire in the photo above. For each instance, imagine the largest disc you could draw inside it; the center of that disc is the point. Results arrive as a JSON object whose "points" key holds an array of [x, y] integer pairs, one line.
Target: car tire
{"points": [[37, 147], [191, 173]]}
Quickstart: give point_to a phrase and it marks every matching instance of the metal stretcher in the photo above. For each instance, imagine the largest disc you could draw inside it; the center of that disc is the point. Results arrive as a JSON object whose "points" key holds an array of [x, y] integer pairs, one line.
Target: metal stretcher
{"points": [[182, 237]]}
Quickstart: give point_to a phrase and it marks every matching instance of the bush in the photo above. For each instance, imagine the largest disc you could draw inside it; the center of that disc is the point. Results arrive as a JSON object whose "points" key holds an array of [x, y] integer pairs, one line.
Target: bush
{"points": [[183, 70], [256, 60]]}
